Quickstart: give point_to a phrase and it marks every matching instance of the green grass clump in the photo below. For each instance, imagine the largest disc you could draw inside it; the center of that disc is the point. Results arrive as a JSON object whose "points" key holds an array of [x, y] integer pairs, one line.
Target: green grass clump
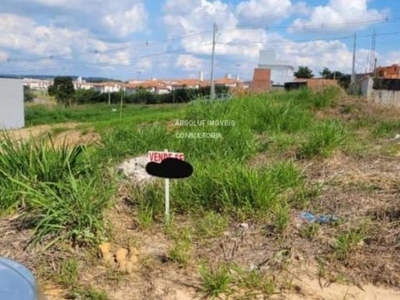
{"points": [[387, 129], [323, 140], [280, 117], [216, 281], [61, 193], [35, 161], [124, 141], [54, 114], [227, 189]]}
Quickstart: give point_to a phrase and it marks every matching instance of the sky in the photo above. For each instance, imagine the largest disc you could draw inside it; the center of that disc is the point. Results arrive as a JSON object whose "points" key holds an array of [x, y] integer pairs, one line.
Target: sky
{"points": [[143, 39]]}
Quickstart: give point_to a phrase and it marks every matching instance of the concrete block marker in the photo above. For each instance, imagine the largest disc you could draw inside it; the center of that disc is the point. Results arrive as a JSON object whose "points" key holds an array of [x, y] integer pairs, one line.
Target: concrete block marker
{"points": [[168, 165]]}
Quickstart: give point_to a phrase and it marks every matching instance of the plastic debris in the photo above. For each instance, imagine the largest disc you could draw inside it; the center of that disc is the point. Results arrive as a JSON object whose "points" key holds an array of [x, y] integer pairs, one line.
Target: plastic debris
{"points": [[323, 219]]}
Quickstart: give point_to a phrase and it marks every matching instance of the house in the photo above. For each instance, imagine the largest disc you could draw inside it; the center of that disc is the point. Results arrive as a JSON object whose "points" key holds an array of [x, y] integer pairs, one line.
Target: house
{"points": [[317, 83], [37, 84], [130, 88], [108, 87], [83, 85], [154, 86], [227, 82], [12, 115], [281, 71], [392, 71], [261, 80]]}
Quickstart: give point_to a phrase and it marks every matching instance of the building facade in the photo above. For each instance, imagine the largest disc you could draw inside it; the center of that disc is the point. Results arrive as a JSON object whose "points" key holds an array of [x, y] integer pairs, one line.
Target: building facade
{"points": [[12, 113]]}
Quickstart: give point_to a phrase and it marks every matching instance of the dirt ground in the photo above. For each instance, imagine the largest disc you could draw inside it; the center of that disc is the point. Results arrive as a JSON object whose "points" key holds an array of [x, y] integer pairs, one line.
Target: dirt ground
{"points": [[67, 134], [354, 188]]}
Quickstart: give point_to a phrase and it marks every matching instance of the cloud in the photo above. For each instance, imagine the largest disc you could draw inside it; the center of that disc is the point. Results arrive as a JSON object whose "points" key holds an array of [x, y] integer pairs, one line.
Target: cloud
{"points": [[106, 38], [199, 16], [109, 20], [261, 13], [124, 23], [240, 45], [331, 17], [3, 56], [189, 62]]}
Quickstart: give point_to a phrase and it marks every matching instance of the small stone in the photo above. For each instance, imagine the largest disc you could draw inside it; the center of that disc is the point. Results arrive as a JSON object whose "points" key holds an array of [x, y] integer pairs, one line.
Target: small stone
{"points": [[133, 251], [122, 266], [108, 258], [133, 259], [104, 249], [121, 255], [227, 233], [299, 257], [244, 226], [129, 267]]}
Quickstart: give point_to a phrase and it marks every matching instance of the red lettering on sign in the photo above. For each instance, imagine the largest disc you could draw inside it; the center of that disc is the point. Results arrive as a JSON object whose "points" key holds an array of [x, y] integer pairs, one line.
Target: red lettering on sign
{"points": [[160, 156]]}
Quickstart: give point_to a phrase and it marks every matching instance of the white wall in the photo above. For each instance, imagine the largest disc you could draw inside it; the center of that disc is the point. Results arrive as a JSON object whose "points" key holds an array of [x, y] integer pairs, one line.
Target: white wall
{"points": [[12, 114], [385, 97]]}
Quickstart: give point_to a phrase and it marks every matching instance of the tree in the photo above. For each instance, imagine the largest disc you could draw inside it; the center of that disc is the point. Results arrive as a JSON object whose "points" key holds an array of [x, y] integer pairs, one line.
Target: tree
{"points": [[28, 95], [63, 90], [326, 73], [343, 79], [303, 72]]}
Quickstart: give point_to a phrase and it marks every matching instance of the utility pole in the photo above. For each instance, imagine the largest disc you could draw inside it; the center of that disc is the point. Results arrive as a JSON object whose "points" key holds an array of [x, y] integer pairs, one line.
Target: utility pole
{"points": [[212, 84], [353, 71], [372, 53], [138, 86]]}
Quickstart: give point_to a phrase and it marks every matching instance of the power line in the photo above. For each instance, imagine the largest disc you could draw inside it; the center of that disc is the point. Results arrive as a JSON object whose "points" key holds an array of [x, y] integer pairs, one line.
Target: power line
{"points": [[108, 51], [350, 24], [112, 63], [212, 84], [155, 43], [349, 37]]}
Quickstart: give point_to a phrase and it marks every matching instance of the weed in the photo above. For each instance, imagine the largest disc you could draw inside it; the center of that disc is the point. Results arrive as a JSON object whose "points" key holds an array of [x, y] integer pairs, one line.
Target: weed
{"points": [[68, 274], [125, 141], [69, 210], [216, 281], [387, 128], [150, 204], [89, 293], [181, 252], [36, 161], [280, 117], [346, 242], [323, 140], [281, 216], [326, 98], [255, 281], [211, 225], [310, 231], [54, 114], [145, 216]]}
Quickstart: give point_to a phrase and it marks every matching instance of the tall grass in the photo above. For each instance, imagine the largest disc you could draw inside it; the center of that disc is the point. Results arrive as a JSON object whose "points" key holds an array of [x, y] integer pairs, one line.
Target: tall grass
{"points": [[53, 114], [37, 161], [57, 188], [72, 209], [279, 117], [323, 140], [63, 194], [227, 188], [125, 141]]}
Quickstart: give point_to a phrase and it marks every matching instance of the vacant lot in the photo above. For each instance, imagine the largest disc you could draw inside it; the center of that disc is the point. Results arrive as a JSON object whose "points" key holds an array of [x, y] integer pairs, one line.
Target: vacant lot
{"points": [[239, 228]]}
